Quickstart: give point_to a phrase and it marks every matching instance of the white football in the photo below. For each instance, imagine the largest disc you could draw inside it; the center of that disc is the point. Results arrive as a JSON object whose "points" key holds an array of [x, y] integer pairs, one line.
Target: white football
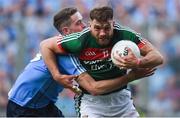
{"points": [[120, 49]]}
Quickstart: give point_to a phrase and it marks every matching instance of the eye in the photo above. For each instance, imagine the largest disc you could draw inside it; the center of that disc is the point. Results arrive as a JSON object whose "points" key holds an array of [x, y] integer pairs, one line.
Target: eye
{"points": [[107, 28], [79, 22], [97, 27]]}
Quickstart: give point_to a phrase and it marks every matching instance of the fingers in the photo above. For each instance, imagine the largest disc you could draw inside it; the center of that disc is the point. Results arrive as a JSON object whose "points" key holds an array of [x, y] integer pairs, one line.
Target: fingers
{"points": [[149, 74], [66, 80], [120, 61], [128, 61], [118, 57], [128, 50], [149, 71], [72, 76], [142, 72]]}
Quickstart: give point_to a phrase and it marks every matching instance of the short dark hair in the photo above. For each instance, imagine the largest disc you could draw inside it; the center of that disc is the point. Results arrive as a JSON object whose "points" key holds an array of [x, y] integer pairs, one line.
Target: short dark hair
{"points": [[63, 18], [101, 13]]}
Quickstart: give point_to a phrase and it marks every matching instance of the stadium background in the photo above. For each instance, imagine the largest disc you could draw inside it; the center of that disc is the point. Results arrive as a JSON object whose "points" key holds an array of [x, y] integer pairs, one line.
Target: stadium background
{"points": [[24, 23]]}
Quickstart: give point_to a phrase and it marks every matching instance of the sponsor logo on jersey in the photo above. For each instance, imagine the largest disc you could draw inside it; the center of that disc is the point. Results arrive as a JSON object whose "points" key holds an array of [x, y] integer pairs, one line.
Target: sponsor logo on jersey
{"points": [[97, 58], [105, 64], [90, 53], [95, 54]]}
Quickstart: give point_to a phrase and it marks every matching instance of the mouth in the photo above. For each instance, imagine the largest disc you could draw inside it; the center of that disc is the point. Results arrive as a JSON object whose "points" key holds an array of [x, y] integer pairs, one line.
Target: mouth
{"points": [[104, 41], [104, 38]]}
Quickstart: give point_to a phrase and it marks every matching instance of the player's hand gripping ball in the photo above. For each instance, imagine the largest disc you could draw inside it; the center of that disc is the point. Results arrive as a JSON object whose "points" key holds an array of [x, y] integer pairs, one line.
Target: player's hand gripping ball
{"points": [[120, 48]]}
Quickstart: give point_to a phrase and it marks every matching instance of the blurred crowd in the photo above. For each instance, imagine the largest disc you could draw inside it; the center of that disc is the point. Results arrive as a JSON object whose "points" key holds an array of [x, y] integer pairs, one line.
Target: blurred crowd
{"points": [[24, 23]]}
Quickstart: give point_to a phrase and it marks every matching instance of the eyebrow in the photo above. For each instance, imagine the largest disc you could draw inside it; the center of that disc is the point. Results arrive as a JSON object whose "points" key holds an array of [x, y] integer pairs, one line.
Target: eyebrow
{"points": [[76, 21], [100, 25]]}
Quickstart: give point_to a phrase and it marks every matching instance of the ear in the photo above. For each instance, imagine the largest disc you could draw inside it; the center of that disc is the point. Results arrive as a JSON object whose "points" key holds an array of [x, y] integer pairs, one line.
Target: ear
{"points": [[65, 30], [90, 23]]}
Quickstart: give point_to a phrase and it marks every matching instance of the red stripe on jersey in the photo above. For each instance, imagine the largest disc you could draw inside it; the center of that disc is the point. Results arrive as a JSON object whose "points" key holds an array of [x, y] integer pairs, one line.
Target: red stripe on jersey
{"points": [[61, 48], [59, 38], [141, 44], [95, 53]]}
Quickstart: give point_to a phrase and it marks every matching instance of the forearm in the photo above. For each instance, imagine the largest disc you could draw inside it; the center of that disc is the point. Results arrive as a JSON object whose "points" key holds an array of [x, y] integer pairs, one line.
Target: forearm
{"points": [[152, 59], [49, 58], [51, 63], [48, 49], [106, 86], [103, 86], [151, 56]]}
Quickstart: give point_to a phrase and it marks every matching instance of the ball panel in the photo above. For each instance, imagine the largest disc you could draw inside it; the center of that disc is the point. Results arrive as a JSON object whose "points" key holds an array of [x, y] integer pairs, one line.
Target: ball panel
{"points": [[120, 48]]}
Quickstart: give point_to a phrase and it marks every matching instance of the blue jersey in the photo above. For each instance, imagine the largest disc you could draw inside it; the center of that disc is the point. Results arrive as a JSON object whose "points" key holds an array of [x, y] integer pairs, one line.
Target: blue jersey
{"points": [[35, 87]]}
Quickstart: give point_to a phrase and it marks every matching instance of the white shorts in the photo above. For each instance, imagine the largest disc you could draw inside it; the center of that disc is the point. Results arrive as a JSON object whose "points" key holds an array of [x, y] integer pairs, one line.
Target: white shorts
{"points": [[117, 104]]}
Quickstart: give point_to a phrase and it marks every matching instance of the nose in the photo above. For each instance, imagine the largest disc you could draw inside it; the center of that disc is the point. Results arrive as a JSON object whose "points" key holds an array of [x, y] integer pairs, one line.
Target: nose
{"points": [[102, 32]]}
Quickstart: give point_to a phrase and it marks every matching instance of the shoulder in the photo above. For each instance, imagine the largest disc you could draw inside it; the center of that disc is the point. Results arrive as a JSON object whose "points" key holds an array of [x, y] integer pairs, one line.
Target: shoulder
{"points": [[54, 37], [75, 42], [125, 30], [76, 35]]}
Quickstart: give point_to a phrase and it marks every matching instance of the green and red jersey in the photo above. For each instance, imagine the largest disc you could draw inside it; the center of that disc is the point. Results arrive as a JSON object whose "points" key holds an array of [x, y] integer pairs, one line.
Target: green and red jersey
{"points": [[95, 58]]}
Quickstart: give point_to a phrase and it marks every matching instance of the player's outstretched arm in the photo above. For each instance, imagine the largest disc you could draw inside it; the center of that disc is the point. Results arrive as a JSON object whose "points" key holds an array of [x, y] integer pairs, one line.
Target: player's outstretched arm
{"points": [[48, 49], [105, 86]]}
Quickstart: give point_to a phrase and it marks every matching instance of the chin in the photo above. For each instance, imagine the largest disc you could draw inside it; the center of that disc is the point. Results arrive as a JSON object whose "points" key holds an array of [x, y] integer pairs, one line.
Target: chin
{"points": [[103, 44]]}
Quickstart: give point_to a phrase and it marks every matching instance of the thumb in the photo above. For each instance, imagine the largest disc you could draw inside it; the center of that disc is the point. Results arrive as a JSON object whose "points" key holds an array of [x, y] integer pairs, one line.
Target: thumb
{"points": [[73, 76]]}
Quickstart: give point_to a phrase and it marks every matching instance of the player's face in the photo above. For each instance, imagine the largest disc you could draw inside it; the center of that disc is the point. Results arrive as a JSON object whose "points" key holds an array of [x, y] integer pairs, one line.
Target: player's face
{"points": [[77, 24], [102, 31]]}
